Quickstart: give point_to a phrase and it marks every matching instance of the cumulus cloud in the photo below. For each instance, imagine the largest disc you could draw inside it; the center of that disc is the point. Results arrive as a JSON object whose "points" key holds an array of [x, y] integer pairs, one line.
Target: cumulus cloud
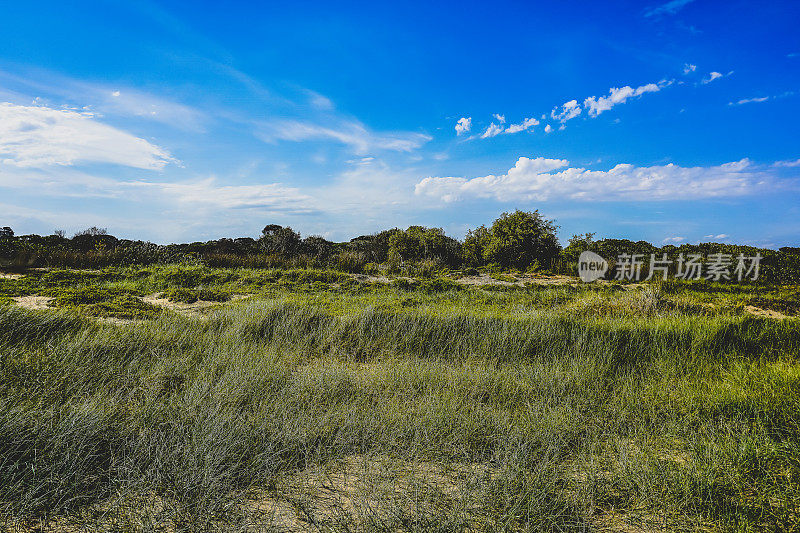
{"points": [[526, 124], [500, 118], [491, 131], [597, 104], [548, 128], [463, 125], [37, 136], [675, 239], [349, 132], [544, 179], [688, 67], [568, 111]]}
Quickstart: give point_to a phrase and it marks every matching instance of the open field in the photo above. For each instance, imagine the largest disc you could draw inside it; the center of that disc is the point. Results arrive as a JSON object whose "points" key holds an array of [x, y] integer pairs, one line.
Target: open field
{"points": [[171, 398]]}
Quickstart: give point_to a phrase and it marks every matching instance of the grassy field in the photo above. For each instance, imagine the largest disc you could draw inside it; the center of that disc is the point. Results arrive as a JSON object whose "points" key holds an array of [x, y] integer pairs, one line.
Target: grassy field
{"points": [[328, 402]]}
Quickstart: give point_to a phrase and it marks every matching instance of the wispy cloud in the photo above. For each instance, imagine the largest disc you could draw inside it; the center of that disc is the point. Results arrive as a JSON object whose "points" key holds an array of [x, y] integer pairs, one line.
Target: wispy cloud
{"points": [[38, 136], [117, 100], [714, 76], [674, 240], [750, 100], [760, 99], [688, 68], [544, 179], [352, 133], [670, 8]]}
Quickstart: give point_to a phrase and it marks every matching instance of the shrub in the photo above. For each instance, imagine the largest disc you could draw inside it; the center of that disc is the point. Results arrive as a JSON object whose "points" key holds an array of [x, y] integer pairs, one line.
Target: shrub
{"points": [[186, 296], [213, 295], [439, 285]]}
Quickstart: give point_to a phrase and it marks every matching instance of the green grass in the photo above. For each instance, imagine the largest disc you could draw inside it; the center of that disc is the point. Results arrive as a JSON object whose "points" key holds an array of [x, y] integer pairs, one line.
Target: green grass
{"points": [[533, 408]]}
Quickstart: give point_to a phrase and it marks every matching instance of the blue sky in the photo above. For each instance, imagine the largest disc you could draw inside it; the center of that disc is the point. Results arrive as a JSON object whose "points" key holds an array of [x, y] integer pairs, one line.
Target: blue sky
{"points": [[174, 121]]}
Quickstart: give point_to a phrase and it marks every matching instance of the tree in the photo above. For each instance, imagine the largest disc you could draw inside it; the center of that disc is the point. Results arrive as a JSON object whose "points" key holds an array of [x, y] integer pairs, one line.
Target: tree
{"points": [[474, 246], [93, 232], [522, 240], [577, 245], [419, 242], [6, 232], [276, 239], [318, 246]]}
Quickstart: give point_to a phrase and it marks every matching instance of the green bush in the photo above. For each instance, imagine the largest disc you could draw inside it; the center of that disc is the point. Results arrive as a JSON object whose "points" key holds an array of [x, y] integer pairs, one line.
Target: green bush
{"points": [[212, 295], [181, 295], [439, 285]]}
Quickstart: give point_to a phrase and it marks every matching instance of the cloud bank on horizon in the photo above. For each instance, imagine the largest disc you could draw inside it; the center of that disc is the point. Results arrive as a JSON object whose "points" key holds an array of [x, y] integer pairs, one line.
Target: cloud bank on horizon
{"points": [[189, 136]]}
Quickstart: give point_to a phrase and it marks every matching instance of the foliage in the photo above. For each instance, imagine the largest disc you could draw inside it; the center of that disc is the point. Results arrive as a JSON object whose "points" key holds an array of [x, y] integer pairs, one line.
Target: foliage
{"points": [[522, 239]]}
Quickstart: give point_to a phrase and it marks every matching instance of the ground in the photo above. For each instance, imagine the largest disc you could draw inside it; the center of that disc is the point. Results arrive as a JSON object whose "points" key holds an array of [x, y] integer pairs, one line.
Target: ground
{"points": [[315, 400]]}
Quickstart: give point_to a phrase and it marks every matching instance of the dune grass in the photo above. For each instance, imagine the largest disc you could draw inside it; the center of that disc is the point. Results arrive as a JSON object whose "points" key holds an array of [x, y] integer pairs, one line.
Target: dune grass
{"points": [[539, 409]]}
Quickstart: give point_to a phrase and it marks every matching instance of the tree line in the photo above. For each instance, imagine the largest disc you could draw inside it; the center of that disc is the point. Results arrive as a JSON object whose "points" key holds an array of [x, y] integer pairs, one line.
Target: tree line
{"points": [[522, 241]]}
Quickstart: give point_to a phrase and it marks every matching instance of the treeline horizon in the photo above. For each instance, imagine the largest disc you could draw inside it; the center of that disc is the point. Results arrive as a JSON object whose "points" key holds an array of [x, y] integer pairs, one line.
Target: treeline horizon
{"points": [[520, 241]]}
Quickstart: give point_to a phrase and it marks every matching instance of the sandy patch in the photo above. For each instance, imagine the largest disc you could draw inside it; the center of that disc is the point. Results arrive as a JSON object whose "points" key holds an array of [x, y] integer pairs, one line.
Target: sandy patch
{"points": [[357, 491], [33, 302], [9, 275], [198, 309], [519, 281], [766, 313]]}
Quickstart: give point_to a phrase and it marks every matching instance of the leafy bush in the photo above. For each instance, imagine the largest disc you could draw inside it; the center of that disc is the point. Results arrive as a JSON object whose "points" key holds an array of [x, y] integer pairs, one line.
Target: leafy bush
{"points": [[212, 295], [186, 296], [189, 296]]}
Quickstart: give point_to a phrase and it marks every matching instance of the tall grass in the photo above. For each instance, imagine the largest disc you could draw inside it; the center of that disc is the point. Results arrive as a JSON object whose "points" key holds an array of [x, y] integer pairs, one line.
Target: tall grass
{"points": [[684, 420]]}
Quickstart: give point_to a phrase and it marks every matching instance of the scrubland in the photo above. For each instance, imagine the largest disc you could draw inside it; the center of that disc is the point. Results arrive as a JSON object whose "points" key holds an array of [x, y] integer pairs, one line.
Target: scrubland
{"points": [[328, 402]]}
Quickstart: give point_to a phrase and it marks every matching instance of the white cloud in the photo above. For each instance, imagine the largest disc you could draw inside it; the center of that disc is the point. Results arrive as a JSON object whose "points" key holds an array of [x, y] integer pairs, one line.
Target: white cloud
{"points": [[536, 179], [598, 104], [36, 136], [526, 124], [207, 192], [790, 164], [569, 110], [350, 132], [463, 125], [132, 103], [500, 118], [670, 8], [675, 239], [712, 76], [492, 130], [548, 128], [720, 236], [749, 100], [688, 67]]}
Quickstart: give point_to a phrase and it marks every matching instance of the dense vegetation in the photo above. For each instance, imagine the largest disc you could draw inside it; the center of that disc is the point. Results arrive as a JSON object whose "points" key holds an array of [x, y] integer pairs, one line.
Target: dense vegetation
{"points": [[335, 402], [520, 241]]}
